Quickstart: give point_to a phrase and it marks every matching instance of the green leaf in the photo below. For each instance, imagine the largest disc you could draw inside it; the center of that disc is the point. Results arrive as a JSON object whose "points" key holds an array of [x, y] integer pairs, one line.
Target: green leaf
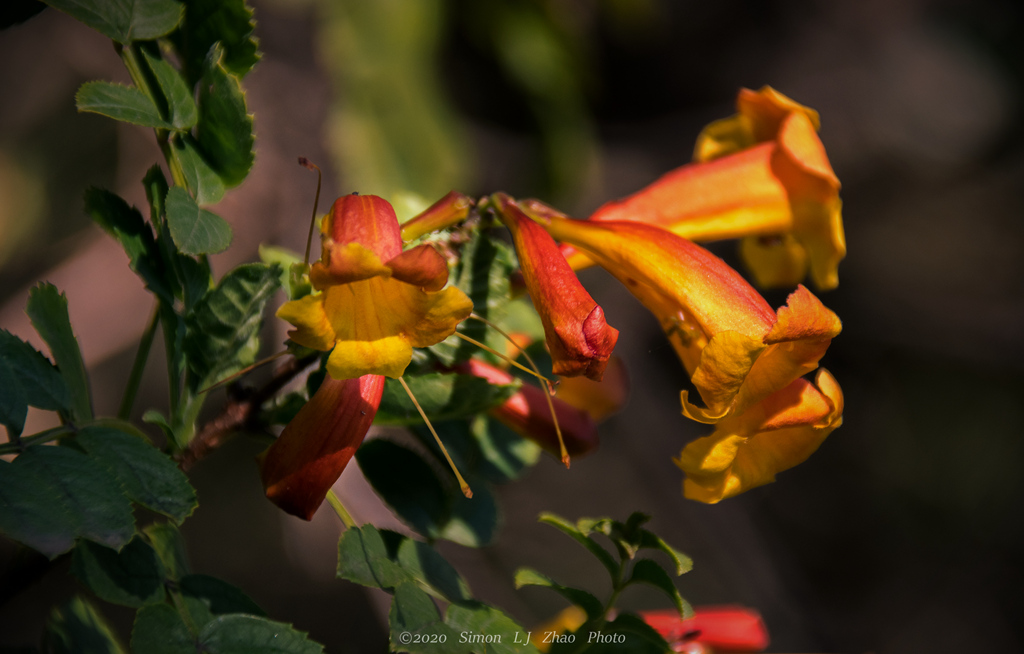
{"points": [[127, 226], [223, 329], [407, 484], [78, 628], [385, 559], [443, 396], [483, 273], [124, 20], [148, 476], [202, 180], [474, 622], [181, 108], [132, 577], [51, 495], [27, 378], [247, 634], [125, 103], [649, 572], [159, 629], [682, 562], [505, 454], [224, 131], [219, 596], [48, 310], [473, 522], [581, 598], [228, 21], [590, 544], [166, 541], [632, 634], [416, 626], [195, 231]]}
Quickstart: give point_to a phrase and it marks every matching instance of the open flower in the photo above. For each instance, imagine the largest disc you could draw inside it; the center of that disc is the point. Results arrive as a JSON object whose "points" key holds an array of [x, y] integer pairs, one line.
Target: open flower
{"points": [[376, 302], [761, 175], [739, 352], [575, 330], [314, 448]]}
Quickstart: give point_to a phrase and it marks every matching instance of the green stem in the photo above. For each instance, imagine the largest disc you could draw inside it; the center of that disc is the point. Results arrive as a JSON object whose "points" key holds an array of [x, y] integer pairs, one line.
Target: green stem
{"points": [[139, 365], [340, 509], [23, 444]]}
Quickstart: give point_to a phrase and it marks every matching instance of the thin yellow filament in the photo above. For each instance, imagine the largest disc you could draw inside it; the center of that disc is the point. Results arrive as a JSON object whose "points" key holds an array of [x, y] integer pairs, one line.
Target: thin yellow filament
{"points": [[564, 453], [462, 482], [244, 371]]}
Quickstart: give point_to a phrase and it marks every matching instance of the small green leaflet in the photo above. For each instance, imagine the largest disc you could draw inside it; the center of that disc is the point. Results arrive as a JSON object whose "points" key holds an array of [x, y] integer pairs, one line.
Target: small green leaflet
{"points": [[124, 20], [195, 231], [124, 103], [48, 310]]}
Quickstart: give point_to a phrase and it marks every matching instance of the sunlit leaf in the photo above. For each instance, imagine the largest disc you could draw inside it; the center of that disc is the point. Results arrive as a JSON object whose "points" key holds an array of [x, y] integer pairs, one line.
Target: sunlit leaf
{"points": [[228, 21], [579, 597], [224, 132], [194, 230], [203, 181], [124, 20]]}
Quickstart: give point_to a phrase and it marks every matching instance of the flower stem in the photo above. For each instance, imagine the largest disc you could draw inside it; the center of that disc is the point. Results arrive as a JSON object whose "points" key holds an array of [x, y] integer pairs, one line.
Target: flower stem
{"points": [[139, 365], [462, 482], [340, 509]]}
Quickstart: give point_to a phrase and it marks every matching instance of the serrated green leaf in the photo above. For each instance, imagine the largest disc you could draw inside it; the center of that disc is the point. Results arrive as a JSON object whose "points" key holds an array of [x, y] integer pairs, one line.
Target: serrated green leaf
{"points": [[181, 108], [204, 182], [37, 379], [223, 329], [166, 541], [219, 596], [647, 571], [473, 620], [682, 562], [443, 396], [195, 231], [13, 403], [78, 628], [416, 626], [148, 476], [228, 21], [224, 132], [159, 629], [579, 597], [132, 577], [51, 495], [425, 566], [125, 103], [124, 20], [483, 273], [127, 226], [248, 634], [407, 484], [590, 544], [48, 310]]}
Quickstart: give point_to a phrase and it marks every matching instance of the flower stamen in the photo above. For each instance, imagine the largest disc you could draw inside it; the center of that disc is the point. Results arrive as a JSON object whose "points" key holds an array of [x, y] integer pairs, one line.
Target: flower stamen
{"points": [[462, 482]]}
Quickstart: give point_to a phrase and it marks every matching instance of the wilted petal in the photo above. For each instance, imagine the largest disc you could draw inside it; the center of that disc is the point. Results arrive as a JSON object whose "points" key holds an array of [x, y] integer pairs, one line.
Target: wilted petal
{"points": [[314, 448]]}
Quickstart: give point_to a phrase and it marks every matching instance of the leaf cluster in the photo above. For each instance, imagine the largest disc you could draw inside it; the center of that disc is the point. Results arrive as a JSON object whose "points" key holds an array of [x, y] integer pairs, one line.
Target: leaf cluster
{"points": [[627, 539]]}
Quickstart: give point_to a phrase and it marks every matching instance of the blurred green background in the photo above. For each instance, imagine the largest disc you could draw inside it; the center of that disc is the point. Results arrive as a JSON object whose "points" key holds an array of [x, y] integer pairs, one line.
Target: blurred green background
{"points": [[902, 534]]}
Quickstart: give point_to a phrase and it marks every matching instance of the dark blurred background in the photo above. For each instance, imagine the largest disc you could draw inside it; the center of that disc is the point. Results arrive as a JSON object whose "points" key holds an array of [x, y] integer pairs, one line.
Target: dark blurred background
{"points": [[903, 533]]}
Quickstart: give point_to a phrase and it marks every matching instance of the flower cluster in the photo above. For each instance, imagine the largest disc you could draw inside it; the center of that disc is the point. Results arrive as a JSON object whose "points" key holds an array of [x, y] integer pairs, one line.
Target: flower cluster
{"points": [[761, 176]]}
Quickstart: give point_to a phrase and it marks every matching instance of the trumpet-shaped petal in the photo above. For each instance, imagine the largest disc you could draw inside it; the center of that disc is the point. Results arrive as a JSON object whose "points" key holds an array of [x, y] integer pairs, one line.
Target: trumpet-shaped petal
{"points": [[761, 175], [527, 413], [747, 450], [577, 335], [744, 359], [376, 302], [444, 213], [314, 448]]}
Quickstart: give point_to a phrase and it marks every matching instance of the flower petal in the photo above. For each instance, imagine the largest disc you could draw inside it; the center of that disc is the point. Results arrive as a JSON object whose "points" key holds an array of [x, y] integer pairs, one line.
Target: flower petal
{"points": [[579, 338], [312, 326], [422, 266], [346, 263], [314, 448]]}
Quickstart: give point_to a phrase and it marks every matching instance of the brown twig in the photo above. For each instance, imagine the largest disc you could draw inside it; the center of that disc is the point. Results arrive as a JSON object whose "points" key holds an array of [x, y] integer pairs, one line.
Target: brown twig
{"points": [[240, 412]]}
